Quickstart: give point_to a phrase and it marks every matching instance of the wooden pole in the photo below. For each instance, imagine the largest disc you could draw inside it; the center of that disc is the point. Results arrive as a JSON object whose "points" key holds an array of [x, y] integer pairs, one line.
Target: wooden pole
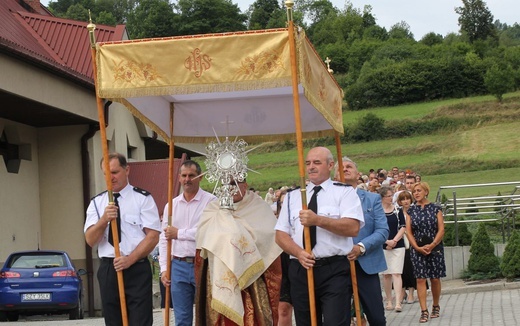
{"points": [[171, 164], [352, 263], [106, 167], [301, 162]]}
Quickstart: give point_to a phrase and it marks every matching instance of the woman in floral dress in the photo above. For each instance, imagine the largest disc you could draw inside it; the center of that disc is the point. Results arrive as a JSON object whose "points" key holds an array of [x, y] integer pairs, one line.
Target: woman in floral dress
{"points": [[425, 227]]}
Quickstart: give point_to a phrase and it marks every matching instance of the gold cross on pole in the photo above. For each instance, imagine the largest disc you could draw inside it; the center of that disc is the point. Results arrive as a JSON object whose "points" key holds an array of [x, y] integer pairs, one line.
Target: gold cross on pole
{"points": [[327, 61]]}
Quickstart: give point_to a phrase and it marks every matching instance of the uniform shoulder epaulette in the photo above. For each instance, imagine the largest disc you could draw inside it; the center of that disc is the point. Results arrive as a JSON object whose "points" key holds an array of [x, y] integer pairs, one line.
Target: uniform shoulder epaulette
{"points": [[141, 191], [341, 184], [101, 193], [292, 189]]}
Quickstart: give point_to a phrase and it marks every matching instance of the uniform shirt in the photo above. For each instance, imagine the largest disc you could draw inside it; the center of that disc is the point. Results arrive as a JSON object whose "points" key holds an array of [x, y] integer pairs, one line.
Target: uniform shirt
{"points": [[137, 210], [335, 200], [185, 217]]}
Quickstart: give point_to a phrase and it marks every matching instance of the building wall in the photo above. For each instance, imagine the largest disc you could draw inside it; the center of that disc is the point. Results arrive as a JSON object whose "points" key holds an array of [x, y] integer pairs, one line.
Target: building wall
{"points": [[20, 194], [26, 81], [61, 192]]}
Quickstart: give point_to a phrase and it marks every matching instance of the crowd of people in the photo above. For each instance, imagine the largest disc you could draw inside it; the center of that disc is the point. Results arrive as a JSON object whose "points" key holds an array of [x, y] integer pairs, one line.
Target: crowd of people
{"points": [[395, 194], [249, 265]]}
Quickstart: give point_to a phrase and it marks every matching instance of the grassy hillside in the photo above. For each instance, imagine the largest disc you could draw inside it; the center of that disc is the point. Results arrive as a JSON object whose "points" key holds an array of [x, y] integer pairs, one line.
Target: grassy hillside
{"points": [[486, 152], [419, 110]]}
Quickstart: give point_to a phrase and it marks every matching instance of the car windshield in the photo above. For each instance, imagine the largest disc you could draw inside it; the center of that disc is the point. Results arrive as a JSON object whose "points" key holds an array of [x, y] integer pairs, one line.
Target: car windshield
{"points": [[37, 261]]}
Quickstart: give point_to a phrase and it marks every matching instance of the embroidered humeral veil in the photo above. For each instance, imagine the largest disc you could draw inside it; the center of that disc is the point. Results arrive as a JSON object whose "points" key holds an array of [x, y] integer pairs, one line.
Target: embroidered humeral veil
{"points": [[245, 76], [240, 249]]}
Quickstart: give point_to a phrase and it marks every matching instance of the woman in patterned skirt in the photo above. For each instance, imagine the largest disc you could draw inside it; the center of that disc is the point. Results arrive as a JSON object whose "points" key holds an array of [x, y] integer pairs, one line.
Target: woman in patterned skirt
{"points": [[425, 227]]}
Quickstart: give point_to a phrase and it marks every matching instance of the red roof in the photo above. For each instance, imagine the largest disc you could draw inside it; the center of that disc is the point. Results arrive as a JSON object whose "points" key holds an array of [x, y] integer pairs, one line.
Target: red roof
{"points": [[59, 44]]}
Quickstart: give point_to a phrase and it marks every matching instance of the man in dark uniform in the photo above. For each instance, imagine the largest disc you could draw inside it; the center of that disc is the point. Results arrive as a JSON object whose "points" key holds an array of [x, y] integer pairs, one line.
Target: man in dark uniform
{"points": [[334, 210], [139, 226]]}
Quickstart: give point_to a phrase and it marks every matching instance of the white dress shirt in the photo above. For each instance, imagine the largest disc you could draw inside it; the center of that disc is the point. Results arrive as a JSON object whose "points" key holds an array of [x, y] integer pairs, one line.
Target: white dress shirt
{"points": [[335, 200], [137, 210], [185, 217]]}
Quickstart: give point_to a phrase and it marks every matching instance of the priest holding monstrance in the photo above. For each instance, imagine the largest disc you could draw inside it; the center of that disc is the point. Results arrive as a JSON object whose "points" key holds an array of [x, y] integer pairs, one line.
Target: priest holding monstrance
{"points": [[237, 268]]}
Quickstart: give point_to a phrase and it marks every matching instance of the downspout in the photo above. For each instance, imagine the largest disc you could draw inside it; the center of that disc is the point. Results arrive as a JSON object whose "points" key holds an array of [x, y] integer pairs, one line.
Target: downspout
{"points": [[85, 167]]}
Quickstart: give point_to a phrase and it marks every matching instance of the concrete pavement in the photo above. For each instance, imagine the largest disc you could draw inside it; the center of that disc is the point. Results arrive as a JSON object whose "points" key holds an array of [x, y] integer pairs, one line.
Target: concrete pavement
{"points": [[462, 304]]}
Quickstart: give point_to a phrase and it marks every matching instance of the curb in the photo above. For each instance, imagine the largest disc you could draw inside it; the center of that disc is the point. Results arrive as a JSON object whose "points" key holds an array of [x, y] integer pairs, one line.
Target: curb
{"points": [[473, 288]]}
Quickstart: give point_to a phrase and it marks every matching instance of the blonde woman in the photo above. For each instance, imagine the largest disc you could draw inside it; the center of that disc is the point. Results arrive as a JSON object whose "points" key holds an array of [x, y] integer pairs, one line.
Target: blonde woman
{"points": [[425, 227]]}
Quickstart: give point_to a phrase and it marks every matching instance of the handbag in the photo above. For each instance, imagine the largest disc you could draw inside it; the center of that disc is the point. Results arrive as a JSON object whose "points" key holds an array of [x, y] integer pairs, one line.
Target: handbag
{"points": [[405, 236], [406, 241], [424, 240]]}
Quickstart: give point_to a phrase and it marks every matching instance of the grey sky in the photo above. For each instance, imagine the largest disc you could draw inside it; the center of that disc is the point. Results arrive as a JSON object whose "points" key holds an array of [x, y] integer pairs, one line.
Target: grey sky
{"points": [[423, 16]]}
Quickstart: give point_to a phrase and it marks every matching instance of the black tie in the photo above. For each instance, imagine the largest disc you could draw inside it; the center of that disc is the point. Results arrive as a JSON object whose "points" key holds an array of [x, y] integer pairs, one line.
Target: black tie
{"points": [[313, 206], [118, 221]]}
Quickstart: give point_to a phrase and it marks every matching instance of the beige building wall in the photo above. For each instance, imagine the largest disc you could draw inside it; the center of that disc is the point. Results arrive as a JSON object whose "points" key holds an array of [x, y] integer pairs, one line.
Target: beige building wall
{"points": [[61, 189], [39, 85], [20, 193]]}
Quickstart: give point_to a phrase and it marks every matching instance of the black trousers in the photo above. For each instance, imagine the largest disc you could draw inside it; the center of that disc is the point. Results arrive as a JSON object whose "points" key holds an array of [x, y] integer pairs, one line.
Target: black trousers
{"points": [[138, 293], [369, 289], [332, 286]]}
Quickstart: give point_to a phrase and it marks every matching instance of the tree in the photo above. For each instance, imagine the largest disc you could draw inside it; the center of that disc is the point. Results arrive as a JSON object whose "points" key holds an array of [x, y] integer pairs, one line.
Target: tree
{"points": [[60, 7], [108, 12], [77, 12], [510, 265], [367, 128], [482, 263], [106, 18], [475, 20], [261, 12], [208, 16], [400, 30], [510, 37], [499, 80], [431, 39], [151, 18], [120, 9], [463, 233]]}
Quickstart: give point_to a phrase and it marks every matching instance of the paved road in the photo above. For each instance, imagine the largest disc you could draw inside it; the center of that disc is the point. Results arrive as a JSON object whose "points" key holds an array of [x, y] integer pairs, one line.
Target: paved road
{"points": [[461, 305]]}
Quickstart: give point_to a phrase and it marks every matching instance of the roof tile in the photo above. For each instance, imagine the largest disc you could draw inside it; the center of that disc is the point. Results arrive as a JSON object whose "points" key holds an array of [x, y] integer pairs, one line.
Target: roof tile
{"points": [[61, 43]]}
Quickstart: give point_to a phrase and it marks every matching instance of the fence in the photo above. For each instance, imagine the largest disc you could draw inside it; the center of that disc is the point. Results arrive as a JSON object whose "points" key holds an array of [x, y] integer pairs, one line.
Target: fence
{"points": [[499, 208]]}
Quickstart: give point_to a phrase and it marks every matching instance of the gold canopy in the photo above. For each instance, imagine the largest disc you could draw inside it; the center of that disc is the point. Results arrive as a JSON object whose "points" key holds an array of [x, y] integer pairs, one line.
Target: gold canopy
{"points": [[234, 83]]}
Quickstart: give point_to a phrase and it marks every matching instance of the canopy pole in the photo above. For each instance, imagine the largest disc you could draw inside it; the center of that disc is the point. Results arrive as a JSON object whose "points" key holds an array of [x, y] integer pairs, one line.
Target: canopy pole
{"points": [[171, 161], [352, 263], [301, 163], [106, 166]]}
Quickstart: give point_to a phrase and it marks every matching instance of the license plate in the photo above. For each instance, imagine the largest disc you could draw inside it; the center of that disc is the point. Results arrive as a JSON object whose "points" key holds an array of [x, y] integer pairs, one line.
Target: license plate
{"points": [[36, 297]]}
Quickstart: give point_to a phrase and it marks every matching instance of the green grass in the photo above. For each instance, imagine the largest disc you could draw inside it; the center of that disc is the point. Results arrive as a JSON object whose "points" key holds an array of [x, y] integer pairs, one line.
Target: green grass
{"points": [[417, 110]]}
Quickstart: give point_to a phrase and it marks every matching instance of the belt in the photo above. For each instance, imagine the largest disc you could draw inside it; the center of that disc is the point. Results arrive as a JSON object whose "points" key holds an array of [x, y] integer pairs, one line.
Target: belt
{"points": [[111, 259], [189, 260], [328, 260]]}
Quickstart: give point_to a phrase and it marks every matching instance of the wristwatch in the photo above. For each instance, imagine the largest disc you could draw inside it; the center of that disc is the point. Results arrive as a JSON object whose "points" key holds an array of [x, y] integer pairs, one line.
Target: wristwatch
{"points": [[362, 248]]}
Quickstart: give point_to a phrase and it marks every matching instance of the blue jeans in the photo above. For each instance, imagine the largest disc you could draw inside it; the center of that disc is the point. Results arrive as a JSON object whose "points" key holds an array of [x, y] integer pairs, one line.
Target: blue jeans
{"points": [[183, 292]]}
